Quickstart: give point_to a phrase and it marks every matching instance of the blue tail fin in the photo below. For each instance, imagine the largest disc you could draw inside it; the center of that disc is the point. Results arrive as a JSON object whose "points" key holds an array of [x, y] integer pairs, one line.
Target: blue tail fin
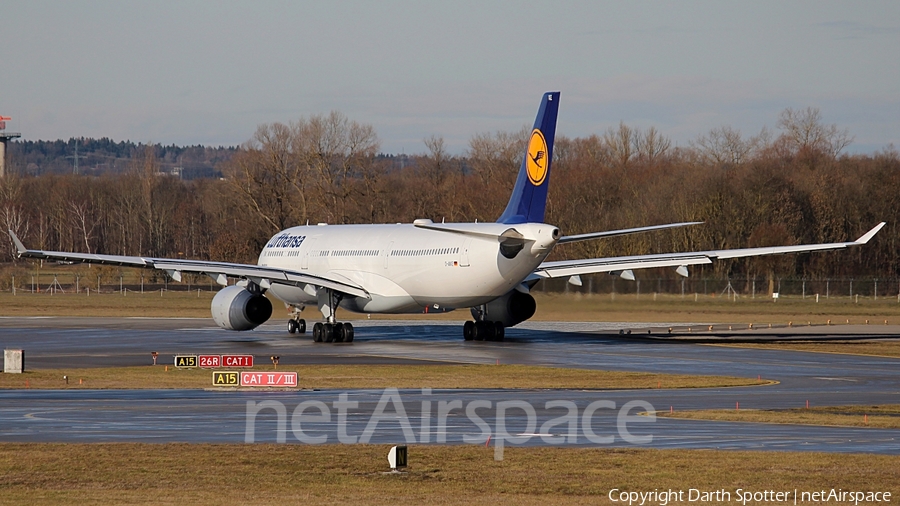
{"points": [[529, 196]]}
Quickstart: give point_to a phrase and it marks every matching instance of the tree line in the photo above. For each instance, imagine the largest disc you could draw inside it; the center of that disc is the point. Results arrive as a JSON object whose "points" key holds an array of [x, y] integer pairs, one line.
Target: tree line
{"points": [[95, 157], [791, 185]]}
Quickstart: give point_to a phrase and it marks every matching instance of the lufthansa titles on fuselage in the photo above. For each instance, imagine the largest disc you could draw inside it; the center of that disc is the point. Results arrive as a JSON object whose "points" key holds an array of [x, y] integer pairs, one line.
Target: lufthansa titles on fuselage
{"points": [[286, 240]]}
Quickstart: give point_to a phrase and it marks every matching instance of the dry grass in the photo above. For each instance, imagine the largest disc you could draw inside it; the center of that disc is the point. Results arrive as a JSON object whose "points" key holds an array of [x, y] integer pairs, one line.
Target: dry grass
{"points": [[712, 309], [883, 417], [127, 473], [551, 307], [377, 377], [889, 348], [170, 304]]}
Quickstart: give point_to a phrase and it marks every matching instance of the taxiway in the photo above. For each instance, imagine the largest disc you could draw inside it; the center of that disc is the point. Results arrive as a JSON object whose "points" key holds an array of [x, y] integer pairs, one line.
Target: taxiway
{"points": [[215, 416]]}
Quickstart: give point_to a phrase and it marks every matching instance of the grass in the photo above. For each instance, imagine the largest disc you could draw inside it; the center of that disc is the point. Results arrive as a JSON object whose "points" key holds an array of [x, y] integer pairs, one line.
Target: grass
{"points": [[376, 377], [551, 307], [127, 473], [883, 417], [879, 348], [170, 304], [713, 309]]}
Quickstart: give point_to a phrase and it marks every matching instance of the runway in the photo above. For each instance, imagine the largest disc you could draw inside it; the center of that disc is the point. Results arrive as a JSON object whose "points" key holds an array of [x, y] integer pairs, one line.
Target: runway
{"points": [[208, 416]]}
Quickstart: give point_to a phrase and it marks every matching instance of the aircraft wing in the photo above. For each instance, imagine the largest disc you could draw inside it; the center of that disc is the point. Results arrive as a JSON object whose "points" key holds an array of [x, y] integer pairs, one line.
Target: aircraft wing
{"points": [[624, 231], [219, 271], [565, 268]]}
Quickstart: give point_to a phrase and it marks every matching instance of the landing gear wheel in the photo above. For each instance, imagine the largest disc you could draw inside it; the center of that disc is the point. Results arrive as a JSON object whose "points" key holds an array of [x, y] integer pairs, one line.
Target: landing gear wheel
{"points": [[292, 326], [318, 330], [328, 332], [469, 330], [483, 332], [499, 332], [338, 332], [301, 326], [348, 333]]}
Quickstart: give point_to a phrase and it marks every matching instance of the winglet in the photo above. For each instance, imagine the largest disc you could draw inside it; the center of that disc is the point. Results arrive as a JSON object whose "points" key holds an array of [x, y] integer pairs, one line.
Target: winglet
{"points": [[19, 246], [870, 234]]}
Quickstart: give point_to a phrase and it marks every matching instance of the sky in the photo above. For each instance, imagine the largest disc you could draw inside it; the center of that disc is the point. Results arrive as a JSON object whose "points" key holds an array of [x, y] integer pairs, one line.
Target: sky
{"points": [[209, 72]]}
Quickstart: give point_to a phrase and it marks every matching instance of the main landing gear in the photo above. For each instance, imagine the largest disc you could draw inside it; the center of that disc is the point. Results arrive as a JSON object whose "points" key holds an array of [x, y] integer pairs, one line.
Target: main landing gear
{"points": [[323, 332], [333, 332], [483, 331]]}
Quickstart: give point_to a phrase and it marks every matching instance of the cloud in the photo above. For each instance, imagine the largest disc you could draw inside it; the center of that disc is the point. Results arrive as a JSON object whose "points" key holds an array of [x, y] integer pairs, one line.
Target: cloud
{"points": [[681, 107], [854, 30]]}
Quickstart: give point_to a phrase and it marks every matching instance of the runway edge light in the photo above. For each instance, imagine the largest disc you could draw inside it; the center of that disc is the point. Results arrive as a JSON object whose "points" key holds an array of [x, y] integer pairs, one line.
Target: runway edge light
{"points": [[397, 457]]}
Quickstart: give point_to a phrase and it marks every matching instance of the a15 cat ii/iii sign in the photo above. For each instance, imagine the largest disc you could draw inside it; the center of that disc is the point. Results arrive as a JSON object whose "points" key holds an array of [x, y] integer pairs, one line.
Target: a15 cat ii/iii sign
{"points": [[268, 379], [254, 379]]}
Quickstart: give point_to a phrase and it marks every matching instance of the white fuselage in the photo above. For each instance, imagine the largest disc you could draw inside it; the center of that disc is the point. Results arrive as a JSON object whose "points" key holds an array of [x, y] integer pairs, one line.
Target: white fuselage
{"points": [[405, 268]]}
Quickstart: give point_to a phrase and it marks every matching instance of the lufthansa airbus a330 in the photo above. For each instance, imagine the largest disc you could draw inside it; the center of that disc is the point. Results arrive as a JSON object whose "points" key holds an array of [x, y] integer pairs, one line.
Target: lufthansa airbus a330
{"points": [[421, 266]]}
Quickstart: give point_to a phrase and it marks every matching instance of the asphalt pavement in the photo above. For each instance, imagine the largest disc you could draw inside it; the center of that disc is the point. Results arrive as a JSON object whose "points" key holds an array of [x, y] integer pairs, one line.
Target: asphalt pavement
{"points": [[598, 417]]}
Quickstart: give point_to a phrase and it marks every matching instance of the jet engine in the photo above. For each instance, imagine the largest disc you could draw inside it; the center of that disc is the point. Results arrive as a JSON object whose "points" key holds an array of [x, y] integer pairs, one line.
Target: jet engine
{"points": [[236, 308], [511, 309]]}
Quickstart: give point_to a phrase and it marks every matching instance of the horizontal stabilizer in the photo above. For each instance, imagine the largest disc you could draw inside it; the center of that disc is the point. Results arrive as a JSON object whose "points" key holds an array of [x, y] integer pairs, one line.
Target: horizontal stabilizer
{"points": [[624, 231], [498, 231]]}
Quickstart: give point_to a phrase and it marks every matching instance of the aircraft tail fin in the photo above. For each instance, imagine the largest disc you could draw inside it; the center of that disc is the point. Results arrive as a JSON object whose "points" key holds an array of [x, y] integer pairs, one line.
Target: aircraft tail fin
{"points": [[529, 197]]}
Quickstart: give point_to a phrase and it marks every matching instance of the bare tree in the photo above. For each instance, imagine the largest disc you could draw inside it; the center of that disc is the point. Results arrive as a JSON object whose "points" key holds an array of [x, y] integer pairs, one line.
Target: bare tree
{"points": [[82, 216], [12, 213], [807, 135], [437, 169], [15, 218], [335, 149], [722, 146], [621, 144], [268, 177], [288, 173], [651, 145], [125, 222], [493, 156]]}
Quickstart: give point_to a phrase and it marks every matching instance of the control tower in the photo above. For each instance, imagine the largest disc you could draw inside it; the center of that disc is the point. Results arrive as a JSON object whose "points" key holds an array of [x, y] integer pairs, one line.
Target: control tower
{"points": [[4, 138]]}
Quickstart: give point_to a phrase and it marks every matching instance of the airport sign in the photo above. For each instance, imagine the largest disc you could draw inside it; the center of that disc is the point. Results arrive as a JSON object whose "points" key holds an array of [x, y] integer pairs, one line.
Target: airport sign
{"points": [[268, 379], [397, 457], [210, 361], [226, 378], [186, 361], [237, 360]]}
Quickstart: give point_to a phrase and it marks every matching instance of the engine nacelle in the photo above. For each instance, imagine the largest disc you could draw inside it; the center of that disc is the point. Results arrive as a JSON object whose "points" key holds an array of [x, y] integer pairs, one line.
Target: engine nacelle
{"points": [[236, 308], [511, 309]]}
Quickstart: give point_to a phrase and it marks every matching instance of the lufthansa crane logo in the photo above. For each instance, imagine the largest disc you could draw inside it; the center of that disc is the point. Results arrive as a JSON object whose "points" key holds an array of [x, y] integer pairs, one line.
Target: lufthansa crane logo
{"points": [[537, 160]]}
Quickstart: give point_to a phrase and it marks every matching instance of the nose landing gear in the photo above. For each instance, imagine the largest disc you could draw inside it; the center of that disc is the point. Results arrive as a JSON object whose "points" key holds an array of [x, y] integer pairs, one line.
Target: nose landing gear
{"points": [[296, 325]]}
